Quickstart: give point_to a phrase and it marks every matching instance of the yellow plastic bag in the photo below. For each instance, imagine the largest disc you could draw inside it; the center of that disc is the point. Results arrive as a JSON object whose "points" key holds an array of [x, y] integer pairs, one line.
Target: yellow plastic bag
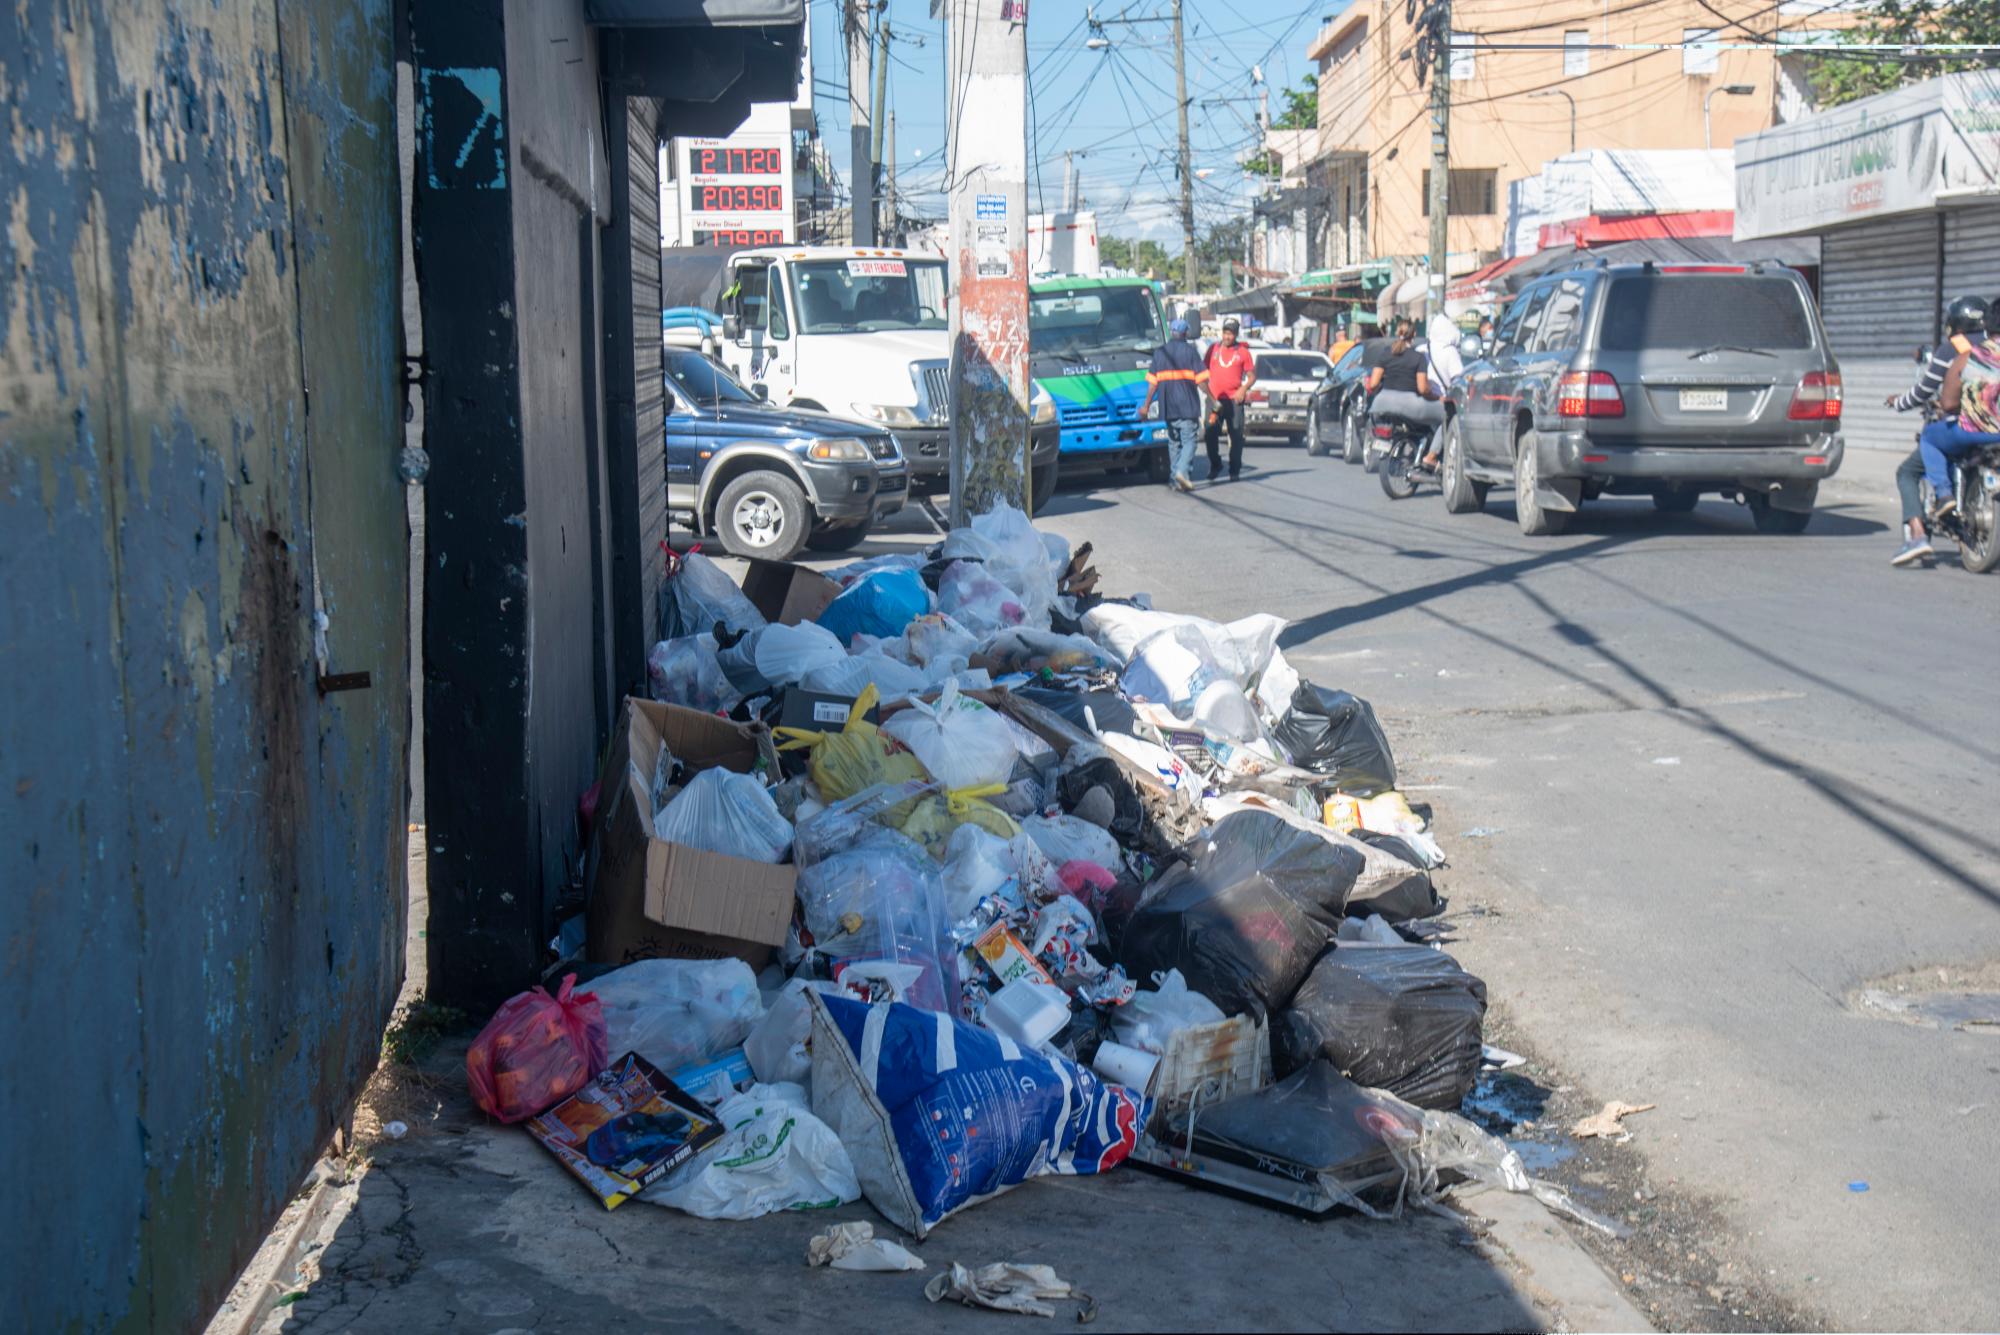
{"points": [[856, 758], [934, 818], [1384, 813]]}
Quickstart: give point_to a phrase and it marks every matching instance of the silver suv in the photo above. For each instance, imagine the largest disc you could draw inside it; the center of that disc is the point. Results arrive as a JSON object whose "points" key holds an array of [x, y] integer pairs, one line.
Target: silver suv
{"points": [[1669, 381]]}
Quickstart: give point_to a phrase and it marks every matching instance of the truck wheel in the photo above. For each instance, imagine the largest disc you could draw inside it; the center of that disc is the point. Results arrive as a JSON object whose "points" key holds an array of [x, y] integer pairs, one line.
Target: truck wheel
{"points": [[1042, 484], [763, 514], [838, 537], [1528, 512], [1462, 495], [1157, 464], [1770, 519]]}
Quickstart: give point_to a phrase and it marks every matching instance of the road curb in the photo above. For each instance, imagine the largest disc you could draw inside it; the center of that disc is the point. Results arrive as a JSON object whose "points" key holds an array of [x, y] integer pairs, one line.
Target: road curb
{"points": [[1552, 1268]]}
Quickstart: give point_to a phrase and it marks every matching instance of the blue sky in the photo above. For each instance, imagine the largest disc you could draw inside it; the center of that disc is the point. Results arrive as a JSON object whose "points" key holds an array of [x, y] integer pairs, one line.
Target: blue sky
{"points": [[1114, 108]]}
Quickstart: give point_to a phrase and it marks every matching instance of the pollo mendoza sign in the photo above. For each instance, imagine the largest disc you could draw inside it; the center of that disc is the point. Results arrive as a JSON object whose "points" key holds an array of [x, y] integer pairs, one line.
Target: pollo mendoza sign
{"points": [[1882, 155]]}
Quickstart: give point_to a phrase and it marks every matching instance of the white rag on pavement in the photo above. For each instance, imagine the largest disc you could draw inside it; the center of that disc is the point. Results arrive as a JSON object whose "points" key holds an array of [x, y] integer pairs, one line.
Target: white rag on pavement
{"points": [[854, 1246], [1006, 1286]]}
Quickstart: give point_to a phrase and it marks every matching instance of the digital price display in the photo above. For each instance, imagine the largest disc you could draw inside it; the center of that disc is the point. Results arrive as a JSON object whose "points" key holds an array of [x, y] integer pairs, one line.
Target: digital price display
{"points": [[728, 161], [741, 236], [727, 198]]}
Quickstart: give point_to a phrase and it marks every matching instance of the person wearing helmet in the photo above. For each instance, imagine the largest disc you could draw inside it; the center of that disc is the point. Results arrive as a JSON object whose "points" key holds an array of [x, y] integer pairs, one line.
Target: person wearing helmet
{"points": [[1231, 372], [1970, 404], [1965, 327]]}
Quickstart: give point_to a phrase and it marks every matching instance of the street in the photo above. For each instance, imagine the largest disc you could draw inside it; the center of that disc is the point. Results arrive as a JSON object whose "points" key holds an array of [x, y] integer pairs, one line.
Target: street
{"points": [[1722, 785]]}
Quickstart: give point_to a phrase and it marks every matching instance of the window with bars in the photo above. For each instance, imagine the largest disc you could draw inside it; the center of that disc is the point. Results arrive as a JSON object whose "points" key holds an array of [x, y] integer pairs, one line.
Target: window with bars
{"points": [[1472, 190]]}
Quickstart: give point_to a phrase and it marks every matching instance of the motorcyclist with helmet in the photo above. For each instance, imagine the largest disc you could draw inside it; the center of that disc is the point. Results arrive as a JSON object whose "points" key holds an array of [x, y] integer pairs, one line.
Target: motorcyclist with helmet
{"points": [[1965, 327]]}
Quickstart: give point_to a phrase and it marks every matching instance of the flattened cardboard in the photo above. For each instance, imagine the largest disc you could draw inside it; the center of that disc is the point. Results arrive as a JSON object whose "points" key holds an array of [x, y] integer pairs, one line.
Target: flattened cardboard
{"points": [[625, 1130], [787, 594], [655, 900]]}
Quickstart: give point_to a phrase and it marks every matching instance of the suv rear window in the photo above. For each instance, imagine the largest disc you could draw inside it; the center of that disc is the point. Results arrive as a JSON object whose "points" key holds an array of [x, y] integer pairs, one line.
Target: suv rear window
{"points": [[1699, 310]]}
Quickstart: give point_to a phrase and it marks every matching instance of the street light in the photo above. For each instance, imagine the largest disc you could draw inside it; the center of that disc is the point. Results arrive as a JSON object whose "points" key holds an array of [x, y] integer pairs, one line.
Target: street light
{"points": [[1734, 90], [1557, 92]]}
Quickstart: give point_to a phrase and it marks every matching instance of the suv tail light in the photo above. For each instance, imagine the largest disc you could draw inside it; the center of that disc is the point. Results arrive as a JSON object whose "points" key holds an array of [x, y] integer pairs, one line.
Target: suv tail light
{"points": [[1589, 394], [1817, 399]]}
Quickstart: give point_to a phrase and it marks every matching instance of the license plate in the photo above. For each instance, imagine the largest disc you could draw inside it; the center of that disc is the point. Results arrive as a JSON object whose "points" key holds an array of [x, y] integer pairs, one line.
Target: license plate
{"points": [[1704, 400], [1284, 400]]}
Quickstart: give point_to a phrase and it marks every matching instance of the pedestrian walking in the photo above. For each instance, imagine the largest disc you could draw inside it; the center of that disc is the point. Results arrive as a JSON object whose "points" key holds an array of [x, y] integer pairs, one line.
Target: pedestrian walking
{"points": [[1176, 378], [1231, 373]]}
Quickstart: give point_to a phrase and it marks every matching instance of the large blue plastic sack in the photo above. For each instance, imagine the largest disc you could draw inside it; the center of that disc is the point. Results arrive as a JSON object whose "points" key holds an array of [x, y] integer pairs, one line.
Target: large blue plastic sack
{"points": [[881, 604], [938, 1114]]}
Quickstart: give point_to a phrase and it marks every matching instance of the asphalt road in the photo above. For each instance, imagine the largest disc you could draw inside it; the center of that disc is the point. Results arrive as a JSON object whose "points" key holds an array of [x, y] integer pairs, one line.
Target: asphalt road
{"points": [[1724, 782]]}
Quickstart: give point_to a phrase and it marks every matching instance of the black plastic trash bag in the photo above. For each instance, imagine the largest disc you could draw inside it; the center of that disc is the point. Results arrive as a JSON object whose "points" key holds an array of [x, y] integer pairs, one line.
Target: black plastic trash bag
{"points": [[1402, 1018], [1245, 920], [1394, 883], [1335, 734], [1111, 710]]}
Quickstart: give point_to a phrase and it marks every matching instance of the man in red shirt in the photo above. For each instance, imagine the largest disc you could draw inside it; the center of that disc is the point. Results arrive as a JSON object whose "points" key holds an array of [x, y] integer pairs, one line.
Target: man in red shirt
{"points": [[1231, 373]]}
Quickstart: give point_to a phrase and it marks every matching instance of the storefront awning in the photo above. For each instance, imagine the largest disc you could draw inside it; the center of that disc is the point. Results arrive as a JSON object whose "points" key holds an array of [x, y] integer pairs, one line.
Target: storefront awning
{"points": [[694, 13], [1469, 287]]}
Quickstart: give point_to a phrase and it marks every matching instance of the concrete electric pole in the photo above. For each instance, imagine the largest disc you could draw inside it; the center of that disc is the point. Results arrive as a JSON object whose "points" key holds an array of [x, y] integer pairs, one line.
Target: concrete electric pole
{"points": [[891, 227], [1187, 158], [876, 106], [1440, 200], [861, 185], [987, 176]]}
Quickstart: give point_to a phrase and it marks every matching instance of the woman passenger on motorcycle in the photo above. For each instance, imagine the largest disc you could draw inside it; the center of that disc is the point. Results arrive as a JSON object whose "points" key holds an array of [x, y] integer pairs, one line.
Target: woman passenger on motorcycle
{"points": [[1971, 415], [1402, 386]]}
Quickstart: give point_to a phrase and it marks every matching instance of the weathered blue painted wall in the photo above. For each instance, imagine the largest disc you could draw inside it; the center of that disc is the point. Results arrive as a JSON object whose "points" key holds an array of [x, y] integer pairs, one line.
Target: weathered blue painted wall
{"points": [[199, 415]]}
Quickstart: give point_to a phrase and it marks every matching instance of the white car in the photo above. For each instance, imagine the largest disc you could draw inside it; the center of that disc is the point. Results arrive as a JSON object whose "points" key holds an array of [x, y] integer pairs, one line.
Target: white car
{"points": [[1286, 379]]}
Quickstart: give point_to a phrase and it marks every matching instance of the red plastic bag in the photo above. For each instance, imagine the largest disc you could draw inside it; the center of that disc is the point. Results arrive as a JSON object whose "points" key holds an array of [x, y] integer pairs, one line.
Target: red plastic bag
{"points": [[536, 1051]]}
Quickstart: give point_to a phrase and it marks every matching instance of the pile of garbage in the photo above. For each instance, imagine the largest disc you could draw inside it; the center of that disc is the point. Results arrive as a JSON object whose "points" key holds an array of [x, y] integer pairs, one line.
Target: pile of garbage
{"points": [[946, 870]]}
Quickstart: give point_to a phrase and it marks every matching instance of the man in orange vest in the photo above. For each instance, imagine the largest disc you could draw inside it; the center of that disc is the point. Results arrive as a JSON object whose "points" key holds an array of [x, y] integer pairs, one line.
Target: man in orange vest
{"points": [[1176, 379], [1231, 373]]}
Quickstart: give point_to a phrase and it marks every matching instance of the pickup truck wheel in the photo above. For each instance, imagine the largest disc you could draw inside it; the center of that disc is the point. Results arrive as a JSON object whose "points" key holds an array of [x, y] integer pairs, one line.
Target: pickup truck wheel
{"points": [[1770, 519], [1462, 495], [1528, 512], [763, 514], [837, 537], [1042, 484]]}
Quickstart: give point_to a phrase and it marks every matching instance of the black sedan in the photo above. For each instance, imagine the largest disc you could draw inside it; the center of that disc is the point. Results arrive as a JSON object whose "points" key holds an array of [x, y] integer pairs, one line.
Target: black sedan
{"points": [[1334, 419]]}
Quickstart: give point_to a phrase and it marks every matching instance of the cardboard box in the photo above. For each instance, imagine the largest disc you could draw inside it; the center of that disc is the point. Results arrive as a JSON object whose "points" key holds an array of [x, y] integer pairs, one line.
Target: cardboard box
{"points": [[650, 899], [625, 1130], [787, 594]]}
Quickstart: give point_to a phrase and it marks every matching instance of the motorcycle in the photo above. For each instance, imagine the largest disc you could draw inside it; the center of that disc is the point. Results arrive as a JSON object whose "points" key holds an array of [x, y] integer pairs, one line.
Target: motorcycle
{"points": [[1396, 454], [1975, 524]]}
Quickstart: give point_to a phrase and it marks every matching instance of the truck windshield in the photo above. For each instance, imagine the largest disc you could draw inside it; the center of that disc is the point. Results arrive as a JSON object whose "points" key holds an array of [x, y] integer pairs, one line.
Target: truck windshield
{"points": [[1082, 320], [702, 383], [865, 296]]}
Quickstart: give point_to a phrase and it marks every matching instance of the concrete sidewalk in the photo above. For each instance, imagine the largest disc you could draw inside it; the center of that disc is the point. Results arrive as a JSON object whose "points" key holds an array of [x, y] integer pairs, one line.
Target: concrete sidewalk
{"points": [[464, 1225]]}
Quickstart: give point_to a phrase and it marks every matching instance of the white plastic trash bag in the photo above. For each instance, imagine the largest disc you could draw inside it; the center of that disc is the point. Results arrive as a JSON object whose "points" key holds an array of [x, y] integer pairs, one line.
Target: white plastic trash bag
{"points": [[726, 812], [851, 676], [699, 594], [1151, 1018], [677, 1012], [776, 1047], [775, 1155], [960, 742], [978, 599], [787, 653], [1070, 839]]}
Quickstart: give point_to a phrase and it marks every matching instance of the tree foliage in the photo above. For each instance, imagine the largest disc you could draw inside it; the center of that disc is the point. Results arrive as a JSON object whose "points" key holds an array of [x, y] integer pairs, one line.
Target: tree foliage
{"points": [[1145, 257], [1301, 110], [1907, 23]]}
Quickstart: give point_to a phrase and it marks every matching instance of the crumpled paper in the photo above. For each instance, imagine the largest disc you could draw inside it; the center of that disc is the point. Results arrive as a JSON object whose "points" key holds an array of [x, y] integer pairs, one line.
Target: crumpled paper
{"points": [[854, 1246], [1006, 1286]]}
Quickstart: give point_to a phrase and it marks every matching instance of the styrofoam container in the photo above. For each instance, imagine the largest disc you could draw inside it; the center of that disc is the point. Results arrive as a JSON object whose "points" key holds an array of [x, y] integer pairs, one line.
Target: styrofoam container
{"points": [[1029, 1012]]}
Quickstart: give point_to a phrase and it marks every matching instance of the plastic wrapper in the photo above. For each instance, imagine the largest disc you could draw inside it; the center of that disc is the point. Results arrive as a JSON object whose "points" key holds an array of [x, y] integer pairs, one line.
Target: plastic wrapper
{"points": [[938, 1114], [785, 654], [977, 600], [1245, 921], [881, 604], [536, 1051], [1069, 839], [686, 671], [858, 757], [677, 1012], [1335, 734], [1151, 1018], [1402, 1018], [878, 907], [726, 812], [977, 863], [1384, 813], [960, 742], [1023, 649], [697, 594], [773, 1155]]}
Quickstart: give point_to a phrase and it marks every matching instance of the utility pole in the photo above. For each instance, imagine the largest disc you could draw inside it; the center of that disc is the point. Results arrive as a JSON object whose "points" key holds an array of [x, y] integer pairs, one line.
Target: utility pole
{"points": [[1069, 181], [875, 106], [1187, 159], [891, 227], [861, 180], [987, 176], [1440, 153]]}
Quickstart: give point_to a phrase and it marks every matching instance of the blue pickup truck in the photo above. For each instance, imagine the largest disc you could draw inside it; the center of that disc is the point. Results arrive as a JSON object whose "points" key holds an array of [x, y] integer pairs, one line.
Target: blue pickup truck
{"points": [[770, 481]]}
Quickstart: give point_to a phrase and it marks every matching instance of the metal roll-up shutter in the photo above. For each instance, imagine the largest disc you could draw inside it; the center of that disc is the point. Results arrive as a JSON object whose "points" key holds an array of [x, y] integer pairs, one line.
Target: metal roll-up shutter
{"points": [[642, 148], [1972, 251], [1878, 289]]}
